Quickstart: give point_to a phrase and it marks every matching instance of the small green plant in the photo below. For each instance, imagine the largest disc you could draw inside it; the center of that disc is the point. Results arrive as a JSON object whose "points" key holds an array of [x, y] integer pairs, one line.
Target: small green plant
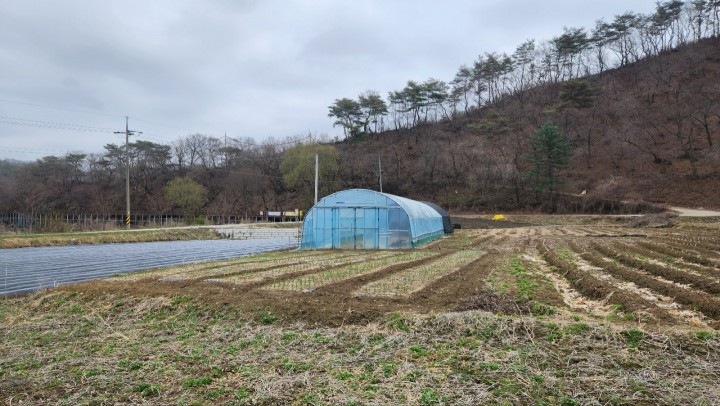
{"points": [[429, 397], [489, 366], [178, 300], [344, 375], [242, 393], [375, 338], [507, 387], [267, 318], [75, 309], [321, 338], [418, 351], [541, 309], [634, 337], [636, 387], [516, 267], [575, 329], [192, 383], [295, 366], [388, 369], [567, 401], [146, 389], [526, 286], [397, 321], [215, 393], [130, 365], [703, 335]]}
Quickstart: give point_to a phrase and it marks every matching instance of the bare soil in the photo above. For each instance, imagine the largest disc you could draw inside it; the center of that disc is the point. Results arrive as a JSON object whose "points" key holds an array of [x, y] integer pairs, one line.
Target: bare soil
{"points": [[488, 283]]}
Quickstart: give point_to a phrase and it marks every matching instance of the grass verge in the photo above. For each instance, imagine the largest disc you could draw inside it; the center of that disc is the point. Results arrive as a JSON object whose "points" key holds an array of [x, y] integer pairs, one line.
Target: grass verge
{"points": [[105, 237]]}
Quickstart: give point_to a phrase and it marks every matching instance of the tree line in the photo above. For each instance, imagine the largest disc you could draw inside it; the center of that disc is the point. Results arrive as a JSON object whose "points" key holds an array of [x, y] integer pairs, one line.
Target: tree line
{"points": [[577, 52], [238, 176]]}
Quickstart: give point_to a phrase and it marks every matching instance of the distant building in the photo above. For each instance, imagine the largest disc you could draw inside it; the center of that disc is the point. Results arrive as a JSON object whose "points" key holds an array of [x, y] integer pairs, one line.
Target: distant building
{"points": [[365, 219]]}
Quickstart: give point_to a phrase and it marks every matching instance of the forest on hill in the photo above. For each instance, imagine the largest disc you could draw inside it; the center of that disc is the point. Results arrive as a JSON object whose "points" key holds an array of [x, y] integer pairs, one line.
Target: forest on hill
{"points": [[637, 98]]}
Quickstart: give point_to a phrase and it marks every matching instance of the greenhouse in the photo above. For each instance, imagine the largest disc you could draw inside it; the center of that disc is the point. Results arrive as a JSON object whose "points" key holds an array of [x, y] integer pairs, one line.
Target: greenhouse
{"points": [[365, 219]]}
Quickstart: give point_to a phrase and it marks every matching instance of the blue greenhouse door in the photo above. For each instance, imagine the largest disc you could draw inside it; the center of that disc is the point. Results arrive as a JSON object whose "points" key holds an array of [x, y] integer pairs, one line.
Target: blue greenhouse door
{"points": [[355, 228], [366, 228], [343, 228]]}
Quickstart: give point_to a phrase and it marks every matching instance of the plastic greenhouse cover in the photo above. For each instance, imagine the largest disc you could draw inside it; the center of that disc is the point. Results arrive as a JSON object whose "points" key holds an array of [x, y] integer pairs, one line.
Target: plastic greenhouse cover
{"points": [[424, 222]]}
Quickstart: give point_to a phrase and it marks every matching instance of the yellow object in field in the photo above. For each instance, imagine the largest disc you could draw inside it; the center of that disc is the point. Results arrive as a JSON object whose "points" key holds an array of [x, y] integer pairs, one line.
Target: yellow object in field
{"points": [[498, 217]]}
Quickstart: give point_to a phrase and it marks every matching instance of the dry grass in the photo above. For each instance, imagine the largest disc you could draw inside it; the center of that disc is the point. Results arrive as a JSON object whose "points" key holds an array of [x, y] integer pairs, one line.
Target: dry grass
{"points": [[60, 348], [412, 280], [375, 261], [229, 266], [327, 261], [106, 237]]}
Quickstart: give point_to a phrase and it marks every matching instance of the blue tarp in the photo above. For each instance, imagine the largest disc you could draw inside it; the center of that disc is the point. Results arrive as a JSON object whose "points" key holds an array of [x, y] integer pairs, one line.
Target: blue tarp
{"points": [[365, 219]]}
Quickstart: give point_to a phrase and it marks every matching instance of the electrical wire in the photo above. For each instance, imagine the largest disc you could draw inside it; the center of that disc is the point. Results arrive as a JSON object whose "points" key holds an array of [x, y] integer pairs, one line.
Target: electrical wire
{"points": [[60, 108], [51, 125]]}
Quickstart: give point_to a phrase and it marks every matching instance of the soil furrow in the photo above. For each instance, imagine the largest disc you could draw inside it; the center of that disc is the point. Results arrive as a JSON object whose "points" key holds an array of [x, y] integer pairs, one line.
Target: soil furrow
{"points": [[597, 289], [704, 302], [698, 282]]}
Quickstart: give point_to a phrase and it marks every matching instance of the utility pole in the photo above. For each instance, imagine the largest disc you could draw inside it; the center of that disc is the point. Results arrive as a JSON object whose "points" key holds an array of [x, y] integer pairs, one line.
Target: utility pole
{"points": [[380, 171], [316, 176], [127, 133]]}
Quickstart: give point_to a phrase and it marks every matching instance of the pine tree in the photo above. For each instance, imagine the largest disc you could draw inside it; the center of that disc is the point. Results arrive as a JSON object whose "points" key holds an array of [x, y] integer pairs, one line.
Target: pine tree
{"points": [[551, 152]]}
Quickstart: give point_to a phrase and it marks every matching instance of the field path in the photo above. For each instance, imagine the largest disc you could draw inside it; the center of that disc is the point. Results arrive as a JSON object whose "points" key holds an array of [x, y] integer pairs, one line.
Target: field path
{"points": [[685, 212]]}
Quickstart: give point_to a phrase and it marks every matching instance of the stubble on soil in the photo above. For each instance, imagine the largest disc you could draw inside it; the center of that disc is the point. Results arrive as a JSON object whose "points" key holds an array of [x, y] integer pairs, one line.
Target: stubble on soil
{"points": [[533, 280]]}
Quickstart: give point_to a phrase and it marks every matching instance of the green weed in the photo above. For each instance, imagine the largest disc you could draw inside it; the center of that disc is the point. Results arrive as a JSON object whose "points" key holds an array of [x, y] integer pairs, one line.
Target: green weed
{"points": [[268, 318], [178, 300], [397, 321], [294, 367], [242, 393], [413, 376], [429, 397], [215, 393], [489, 366], [192, 383], [146, 389], [575, 329], [634, 337], [541, 309], [130, 365], [388, 369], [418, 351]]}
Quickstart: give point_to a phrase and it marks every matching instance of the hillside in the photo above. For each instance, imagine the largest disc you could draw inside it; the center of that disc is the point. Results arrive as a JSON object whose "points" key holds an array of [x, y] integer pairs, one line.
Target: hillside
{"points": [[650, 133]]}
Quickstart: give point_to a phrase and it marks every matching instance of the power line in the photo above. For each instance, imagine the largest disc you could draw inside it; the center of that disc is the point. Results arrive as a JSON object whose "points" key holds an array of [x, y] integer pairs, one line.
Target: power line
{"points": [[31, 150], [52, 125], [45, 106]]}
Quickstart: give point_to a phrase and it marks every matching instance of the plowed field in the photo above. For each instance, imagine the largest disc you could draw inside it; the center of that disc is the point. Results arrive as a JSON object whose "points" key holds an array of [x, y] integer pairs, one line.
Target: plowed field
{"points": [[666, 277]]}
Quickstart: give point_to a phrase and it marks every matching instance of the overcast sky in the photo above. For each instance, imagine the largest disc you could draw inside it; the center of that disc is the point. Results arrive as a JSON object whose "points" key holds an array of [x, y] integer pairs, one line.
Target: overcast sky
{"points": [[251, 68]]}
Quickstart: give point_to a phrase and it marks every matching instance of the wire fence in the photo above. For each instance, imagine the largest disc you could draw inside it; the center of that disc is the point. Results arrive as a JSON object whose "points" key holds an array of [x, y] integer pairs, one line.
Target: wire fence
{"points": [[66, 222]]}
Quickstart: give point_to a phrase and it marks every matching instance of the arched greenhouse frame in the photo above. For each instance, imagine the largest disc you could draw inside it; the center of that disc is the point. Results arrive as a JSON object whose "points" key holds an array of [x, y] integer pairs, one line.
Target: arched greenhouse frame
{"points": [[366, 219]]}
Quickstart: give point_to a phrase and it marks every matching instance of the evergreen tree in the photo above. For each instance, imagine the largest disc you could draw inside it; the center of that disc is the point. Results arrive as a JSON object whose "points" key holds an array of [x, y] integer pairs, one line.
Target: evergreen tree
{"points": [[551, 152]]}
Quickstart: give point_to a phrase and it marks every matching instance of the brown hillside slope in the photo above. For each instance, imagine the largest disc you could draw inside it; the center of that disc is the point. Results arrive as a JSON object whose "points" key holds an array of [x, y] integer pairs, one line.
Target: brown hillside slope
{"points": [[651, 134]]}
